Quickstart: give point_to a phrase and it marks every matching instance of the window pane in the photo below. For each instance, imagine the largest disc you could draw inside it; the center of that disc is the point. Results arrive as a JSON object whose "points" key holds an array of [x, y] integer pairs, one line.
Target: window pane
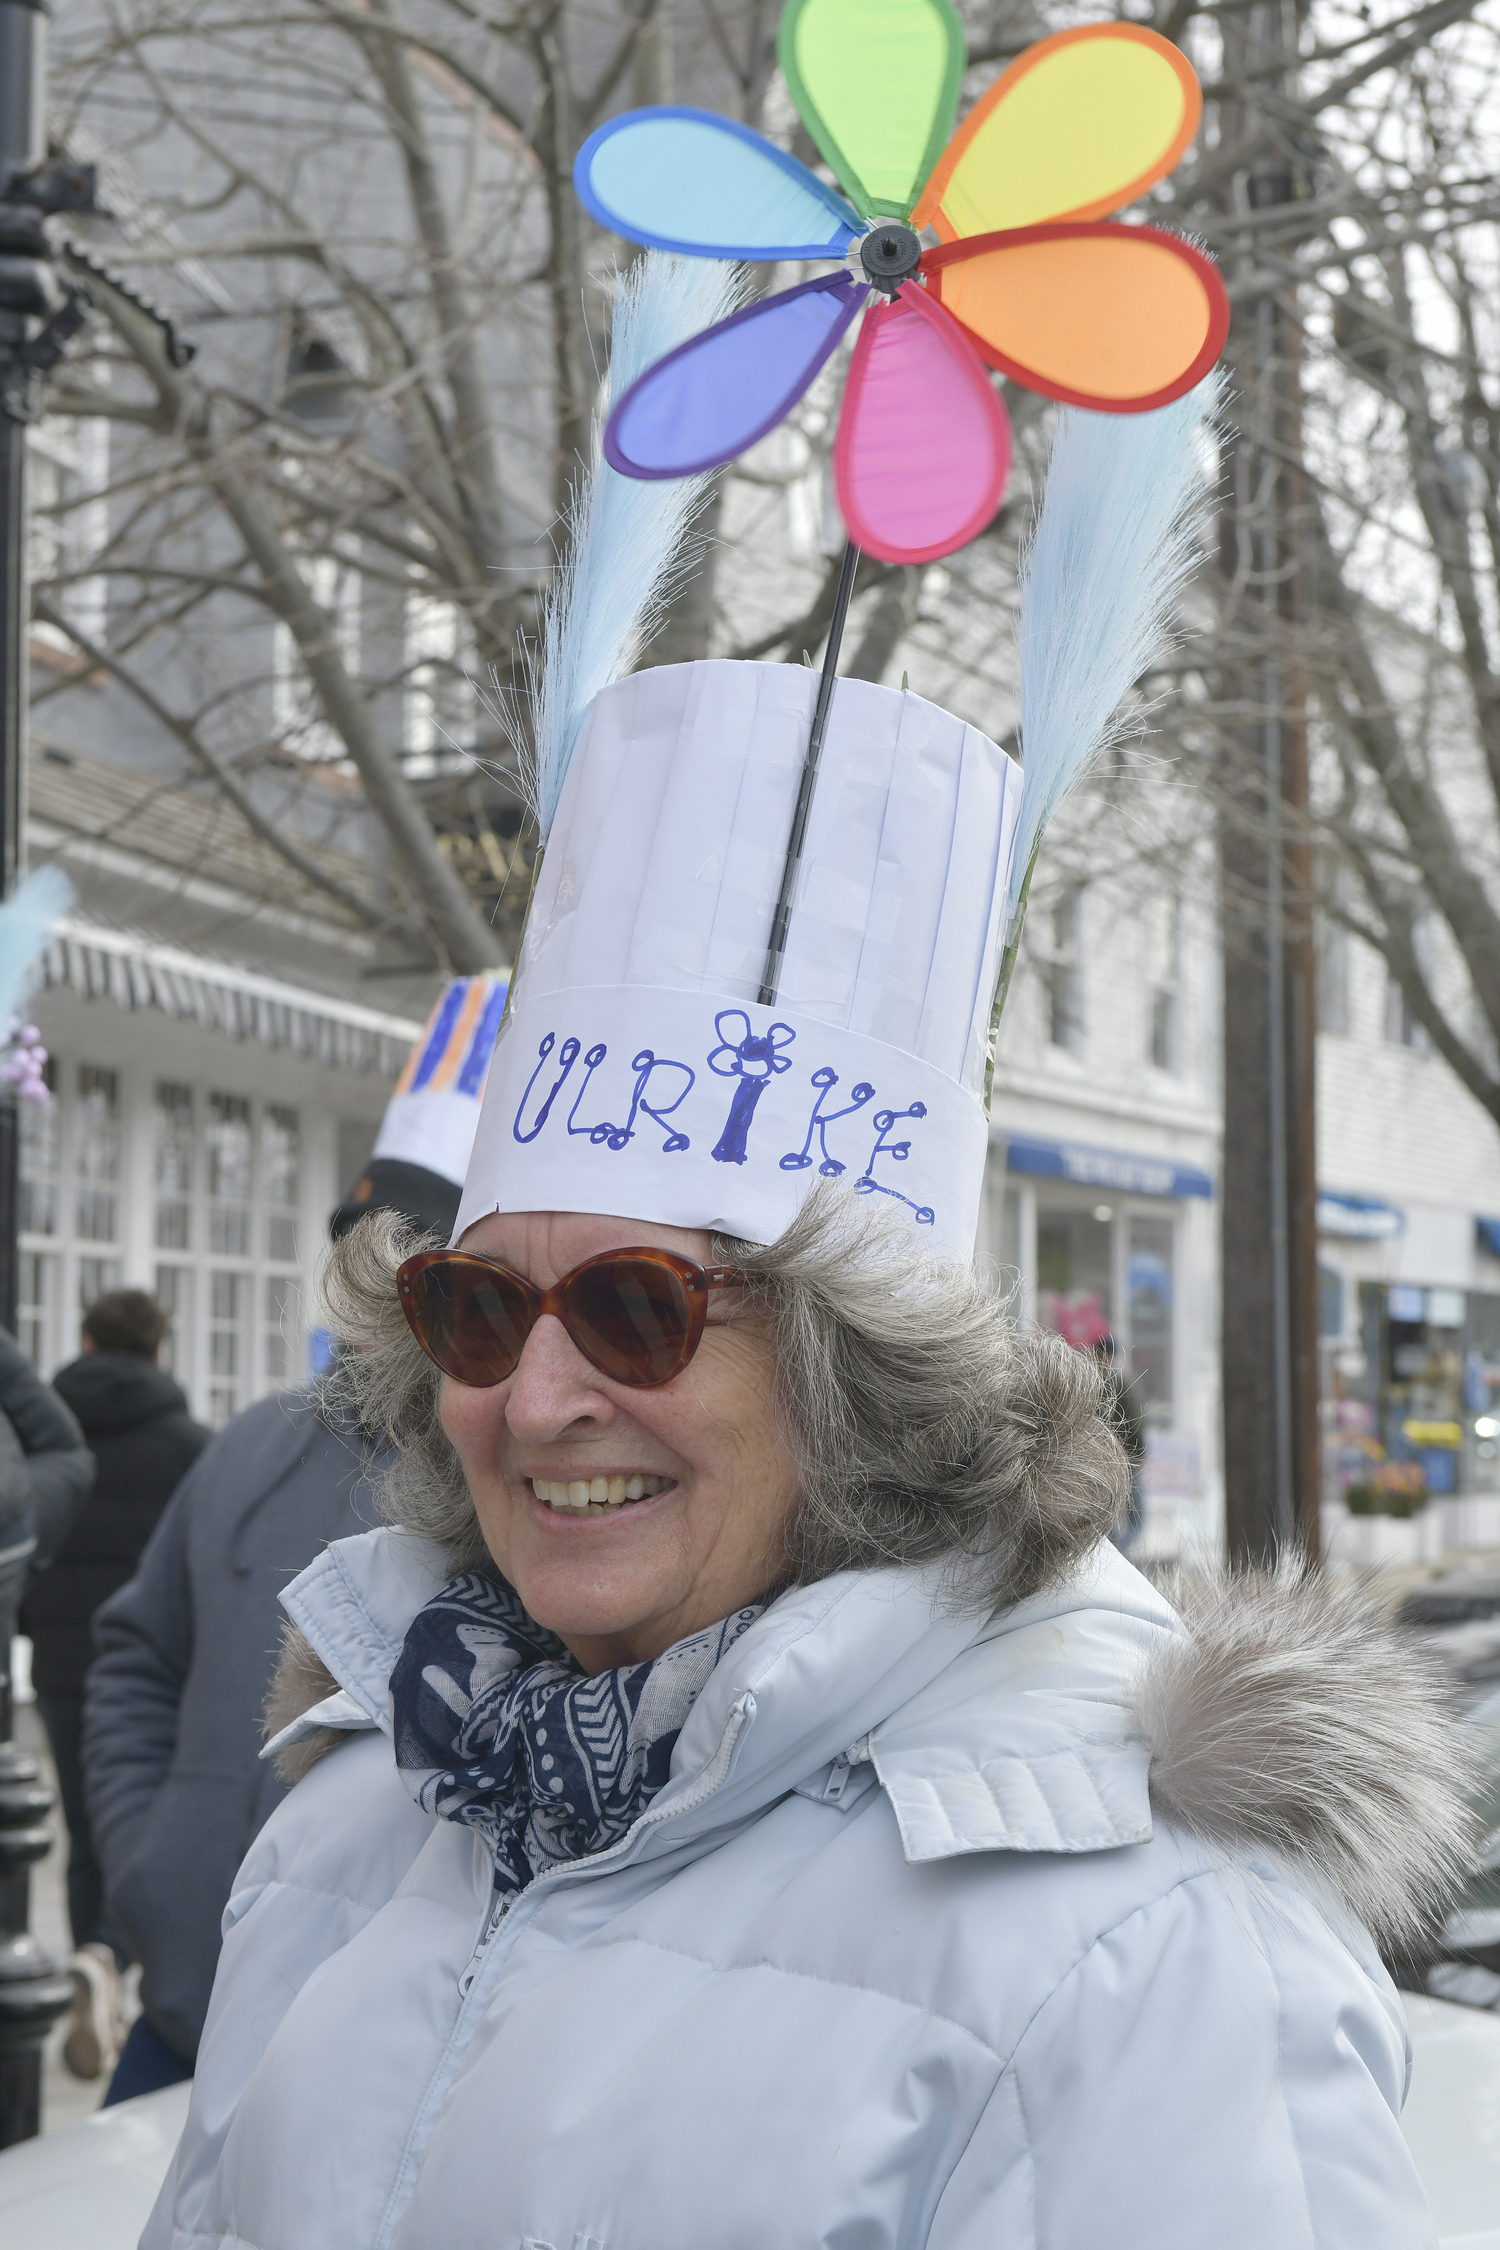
{"points": [[96, 1153], [174, 1293], [228, 1352], [1164, 958], [229, 1153], [1010, 1234], [1074, 1274], [279, 1151], [283, 1325], [1149, 1284], [172, 1130], [96, 1276], [38, 1284], [1064, 974], [41, 1160]]}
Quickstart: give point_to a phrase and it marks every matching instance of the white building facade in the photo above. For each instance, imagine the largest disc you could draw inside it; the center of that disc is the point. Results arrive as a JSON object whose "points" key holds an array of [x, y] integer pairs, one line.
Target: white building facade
{"points": [[204, 1122], [1102, 1193]]}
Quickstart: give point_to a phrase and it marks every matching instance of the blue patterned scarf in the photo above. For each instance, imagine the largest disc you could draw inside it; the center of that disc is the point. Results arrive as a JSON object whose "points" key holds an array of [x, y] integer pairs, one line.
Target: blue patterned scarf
{"points": [[498, 1727]]}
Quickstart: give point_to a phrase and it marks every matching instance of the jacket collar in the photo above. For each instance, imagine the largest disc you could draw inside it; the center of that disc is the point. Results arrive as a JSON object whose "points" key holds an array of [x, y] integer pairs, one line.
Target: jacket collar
{"points": [[1012, 1733]]}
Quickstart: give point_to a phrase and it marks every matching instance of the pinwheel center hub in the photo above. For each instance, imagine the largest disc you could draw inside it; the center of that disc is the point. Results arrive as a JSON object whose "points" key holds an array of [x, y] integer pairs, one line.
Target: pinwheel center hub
{"points": [[888, 254]]}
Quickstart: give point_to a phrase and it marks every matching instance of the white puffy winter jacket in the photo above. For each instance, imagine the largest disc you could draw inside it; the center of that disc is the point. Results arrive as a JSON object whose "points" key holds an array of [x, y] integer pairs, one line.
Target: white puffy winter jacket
{"points": [[896, 1958]]}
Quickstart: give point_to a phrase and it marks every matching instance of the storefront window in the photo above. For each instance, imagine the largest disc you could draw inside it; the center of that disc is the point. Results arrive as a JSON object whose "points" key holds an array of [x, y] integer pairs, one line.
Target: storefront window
{"points": [[1414, 1352], [226, 1180], [1148, 1280], [1074, 1272], [1106, 1270]]}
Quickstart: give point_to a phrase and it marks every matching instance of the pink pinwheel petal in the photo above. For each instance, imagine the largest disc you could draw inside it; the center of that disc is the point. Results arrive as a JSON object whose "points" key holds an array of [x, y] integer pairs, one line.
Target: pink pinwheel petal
{"points": [[924, 442]]}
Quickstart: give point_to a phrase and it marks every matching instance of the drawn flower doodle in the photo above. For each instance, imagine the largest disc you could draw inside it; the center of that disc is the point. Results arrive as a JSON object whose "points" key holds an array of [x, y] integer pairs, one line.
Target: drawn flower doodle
{"points": [[754, 1059]]}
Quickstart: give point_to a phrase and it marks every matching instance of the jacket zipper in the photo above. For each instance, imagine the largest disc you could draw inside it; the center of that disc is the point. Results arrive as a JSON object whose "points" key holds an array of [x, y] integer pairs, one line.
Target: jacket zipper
{"points": [[709, 1781], [493, 1920]]}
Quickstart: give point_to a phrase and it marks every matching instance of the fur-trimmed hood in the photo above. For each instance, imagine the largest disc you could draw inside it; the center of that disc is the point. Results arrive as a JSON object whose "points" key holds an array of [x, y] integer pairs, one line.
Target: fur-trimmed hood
{"points": [[1279, 1714]]}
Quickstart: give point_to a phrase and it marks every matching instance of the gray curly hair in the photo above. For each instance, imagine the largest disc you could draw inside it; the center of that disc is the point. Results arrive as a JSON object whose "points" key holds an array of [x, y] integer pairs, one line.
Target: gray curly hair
{"points": [[928, 1427]]}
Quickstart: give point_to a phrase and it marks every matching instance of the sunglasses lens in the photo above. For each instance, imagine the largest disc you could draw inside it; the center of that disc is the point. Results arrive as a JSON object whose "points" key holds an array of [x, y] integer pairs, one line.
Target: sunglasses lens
{"points": [[635, 1318], [472, 1318]]}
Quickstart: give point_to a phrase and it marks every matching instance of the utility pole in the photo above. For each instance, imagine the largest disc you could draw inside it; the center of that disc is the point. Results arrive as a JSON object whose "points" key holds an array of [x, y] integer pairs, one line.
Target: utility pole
{"points": [[1269, 1357], [38, 315]]}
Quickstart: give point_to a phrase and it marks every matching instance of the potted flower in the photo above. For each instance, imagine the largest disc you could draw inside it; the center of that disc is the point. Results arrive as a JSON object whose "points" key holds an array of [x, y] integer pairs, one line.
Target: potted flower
{"points": [[1384, 1503]]}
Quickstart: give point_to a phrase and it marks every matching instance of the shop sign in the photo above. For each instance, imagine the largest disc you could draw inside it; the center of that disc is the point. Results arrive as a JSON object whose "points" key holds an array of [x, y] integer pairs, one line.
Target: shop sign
{"points": [[1119, 1170], [1432, 1433], [1358, 1218]]}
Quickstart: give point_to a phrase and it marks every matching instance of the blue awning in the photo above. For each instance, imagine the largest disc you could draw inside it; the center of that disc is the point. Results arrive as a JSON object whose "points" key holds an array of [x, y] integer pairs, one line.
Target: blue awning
{"points": [[1358, 1218], [1487, 1234], [1118, 1169]]}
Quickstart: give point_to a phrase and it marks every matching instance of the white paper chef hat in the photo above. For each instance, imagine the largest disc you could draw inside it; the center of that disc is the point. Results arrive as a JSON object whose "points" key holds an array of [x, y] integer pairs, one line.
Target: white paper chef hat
{"points": [[421, 1151], [432, 1116], [638, 1074]]}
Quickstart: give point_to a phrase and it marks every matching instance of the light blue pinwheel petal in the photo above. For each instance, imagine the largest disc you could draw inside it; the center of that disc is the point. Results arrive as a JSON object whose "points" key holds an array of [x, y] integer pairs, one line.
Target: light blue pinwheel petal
{"points": [[723, 389], [654, 174]]}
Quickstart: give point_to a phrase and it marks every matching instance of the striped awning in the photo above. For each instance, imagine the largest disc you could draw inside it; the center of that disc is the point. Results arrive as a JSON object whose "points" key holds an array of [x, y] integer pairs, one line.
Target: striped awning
{"points": [[134, 972]]}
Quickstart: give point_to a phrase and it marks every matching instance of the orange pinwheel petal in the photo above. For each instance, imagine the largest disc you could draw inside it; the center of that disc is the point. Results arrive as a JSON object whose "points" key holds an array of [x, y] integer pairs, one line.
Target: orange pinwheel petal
{"points": [[1077, 126], [1114, 317]]}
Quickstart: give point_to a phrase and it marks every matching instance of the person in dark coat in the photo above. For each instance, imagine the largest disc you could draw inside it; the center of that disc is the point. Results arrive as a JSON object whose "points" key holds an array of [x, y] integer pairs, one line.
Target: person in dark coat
{"points": [[46, 1472], [136, 1419], [173, 1726], [172, 1731]]}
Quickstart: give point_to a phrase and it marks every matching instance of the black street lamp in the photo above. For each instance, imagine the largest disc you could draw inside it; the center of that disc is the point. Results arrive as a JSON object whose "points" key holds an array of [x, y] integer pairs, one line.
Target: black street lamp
{"points": [[39, 313]]}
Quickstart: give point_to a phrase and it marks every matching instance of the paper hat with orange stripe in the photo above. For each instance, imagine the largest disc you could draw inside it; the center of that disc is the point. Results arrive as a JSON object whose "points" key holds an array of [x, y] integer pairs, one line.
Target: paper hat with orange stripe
{"points": [[421, 1152]]}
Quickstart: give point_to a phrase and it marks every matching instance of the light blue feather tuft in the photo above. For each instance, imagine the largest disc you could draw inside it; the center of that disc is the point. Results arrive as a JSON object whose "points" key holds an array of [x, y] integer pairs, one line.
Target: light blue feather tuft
{"points": [[627, 555], [26, 923], [1115, 545]]}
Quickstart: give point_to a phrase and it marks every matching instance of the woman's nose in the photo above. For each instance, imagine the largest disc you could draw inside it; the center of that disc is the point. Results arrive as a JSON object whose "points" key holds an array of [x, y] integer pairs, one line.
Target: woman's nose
{"points": [[554, 1387]]}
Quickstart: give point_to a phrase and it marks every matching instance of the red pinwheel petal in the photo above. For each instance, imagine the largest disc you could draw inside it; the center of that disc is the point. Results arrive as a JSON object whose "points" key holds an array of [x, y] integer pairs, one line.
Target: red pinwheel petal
{"points": [[924, 442]]}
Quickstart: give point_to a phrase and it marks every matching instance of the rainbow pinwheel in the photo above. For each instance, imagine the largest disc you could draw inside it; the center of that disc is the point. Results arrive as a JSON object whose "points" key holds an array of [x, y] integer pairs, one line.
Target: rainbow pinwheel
{"points": [[1028, 275]]}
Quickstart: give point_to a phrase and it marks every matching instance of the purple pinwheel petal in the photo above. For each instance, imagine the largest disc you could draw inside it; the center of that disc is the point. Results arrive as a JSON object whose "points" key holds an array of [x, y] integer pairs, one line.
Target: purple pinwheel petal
{"points": [[716, 394], [689, 180]]}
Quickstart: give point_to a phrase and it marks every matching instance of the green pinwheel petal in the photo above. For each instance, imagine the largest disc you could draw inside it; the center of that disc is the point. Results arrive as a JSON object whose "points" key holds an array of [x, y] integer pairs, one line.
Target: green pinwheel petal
{"points": [[876, 83]]}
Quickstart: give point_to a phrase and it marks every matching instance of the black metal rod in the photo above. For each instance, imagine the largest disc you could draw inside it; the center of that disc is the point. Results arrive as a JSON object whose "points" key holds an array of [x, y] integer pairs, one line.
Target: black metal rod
{"points": [[781, 919]]}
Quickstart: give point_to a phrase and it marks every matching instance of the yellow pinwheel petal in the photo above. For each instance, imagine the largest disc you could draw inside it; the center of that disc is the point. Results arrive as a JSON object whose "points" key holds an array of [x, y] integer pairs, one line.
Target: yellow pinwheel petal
{"points": [[1079, 125]]}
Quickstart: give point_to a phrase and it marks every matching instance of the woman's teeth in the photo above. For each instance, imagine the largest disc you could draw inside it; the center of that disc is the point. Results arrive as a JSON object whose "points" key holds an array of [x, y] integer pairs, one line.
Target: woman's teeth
{"points": [[597, 1492]]}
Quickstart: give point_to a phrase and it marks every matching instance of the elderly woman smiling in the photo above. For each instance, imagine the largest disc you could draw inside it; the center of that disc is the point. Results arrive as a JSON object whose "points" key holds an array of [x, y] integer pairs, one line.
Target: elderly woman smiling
{"points": [[745, 1802], [768, 1858]]}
